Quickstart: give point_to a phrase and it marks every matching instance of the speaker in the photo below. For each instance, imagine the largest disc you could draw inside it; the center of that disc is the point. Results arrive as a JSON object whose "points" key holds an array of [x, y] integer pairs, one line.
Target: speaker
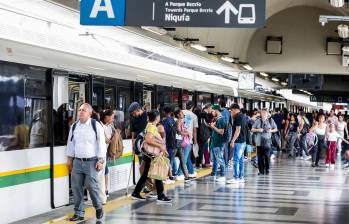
{"points": [[273, 45], [306, 81]]}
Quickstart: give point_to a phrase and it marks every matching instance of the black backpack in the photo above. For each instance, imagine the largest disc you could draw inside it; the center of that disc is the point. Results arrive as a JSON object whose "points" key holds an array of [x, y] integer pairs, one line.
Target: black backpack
{"points": [[204, 131], [93, 123], [138, 143], [171, 141]]}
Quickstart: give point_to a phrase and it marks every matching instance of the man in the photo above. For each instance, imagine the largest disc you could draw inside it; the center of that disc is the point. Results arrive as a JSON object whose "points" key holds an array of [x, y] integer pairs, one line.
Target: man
{"points": [[278, 118], [86, 151], [227, 117], [204, 134], [264, 127], [238, 143], [191, 125], [138, 123], [217, 143]]}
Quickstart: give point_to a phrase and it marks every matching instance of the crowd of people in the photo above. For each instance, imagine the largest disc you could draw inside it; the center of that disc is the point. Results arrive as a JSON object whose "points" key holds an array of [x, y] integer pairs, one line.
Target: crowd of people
{"points": [[194, 138]]}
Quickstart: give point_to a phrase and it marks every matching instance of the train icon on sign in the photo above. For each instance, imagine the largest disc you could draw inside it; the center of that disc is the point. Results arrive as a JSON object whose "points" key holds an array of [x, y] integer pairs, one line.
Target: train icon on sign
{"points": [[246, 13]]}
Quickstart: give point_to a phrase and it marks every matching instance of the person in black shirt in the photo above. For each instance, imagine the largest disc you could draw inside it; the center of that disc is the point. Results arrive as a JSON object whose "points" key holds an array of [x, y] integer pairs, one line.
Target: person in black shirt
{"points": [[238, 143], [138, 120]]}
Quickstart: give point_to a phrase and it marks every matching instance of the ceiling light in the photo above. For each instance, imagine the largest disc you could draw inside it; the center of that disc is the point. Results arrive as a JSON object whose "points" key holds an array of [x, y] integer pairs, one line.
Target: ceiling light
{"points": [[154, 29], [337, 3], [275, 79], [284, 83], [264, 74], [227, 59], [198, 47], [247, 67], [343, 31]]}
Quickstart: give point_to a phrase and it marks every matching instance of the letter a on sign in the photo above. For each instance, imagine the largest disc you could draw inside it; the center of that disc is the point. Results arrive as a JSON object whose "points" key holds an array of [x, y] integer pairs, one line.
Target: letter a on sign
{"points": [[102, 12], [97, 7]]}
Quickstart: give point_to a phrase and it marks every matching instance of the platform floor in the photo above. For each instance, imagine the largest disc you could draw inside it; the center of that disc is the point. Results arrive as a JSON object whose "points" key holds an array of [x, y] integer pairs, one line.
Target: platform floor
{"points": [[292, 193]]}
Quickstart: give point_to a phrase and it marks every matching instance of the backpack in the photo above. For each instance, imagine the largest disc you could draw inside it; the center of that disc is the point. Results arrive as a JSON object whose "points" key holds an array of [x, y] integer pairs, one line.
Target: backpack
{"points": [[93, 123], [138, 143], [116, 147], [306, 128], [170, 129], [204, 131]]}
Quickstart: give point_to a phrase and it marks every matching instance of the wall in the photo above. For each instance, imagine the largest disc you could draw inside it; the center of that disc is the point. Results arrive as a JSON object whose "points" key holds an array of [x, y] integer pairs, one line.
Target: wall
{"points": [[304, 44]]}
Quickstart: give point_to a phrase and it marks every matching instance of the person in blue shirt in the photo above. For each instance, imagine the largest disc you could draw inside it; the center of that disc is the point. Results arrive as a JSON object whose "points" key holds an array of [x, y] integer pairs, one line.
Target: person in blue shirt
{"points": [[227, 118]]}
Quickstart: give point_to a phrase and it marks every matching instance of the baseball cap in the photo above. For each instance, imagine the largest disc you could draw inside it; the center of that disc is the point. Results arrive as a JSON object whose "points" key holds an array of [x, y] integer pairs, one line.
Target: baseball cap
{"points": [[134, 106], [216, 107]]}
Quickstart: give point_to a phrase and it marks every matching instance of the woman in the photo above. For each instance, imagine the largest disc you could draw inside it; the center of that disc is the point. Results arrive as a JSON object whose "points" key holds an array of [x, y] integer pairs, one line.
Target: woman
{"points": [[107, 118], [292, 133], [151, 136], [342, 130], [319, 129]]}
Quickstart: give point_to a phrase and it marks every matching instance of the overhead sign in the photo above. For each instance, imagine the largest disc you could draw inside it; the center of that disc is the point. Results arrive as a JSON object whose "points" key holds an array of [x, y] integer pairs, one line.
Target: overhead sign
{"points": [[329, 99], [175, 13]]}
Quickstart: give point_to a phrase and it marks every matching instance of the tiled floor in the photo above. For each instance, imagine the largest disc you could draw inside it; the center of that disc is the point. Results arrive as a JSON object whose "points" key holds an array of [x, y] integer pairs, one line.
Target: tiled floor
{"points": [[292, 193]]}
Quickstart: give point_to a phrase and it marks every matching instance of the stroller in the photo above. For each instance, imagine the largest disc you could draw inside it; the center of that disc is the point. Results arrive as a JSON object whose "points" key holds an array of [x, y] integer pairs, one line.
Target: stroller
{"points": [[312, 141]]}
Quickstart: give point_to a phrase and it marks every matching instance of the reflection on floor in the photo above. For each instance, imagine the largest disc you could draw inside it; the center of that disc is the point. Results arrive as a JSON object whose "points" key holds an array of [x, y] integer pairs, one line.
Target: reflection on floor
{"points": [[292, 193]]}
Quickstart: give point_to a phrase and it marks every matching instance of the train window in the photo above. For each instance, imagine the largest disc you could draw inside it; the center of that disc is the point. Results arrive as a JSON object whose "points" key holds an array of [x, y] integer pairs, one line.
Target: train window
{"points": [[203, 99], [98, 92], [187, 96], [24, 107], [122, 117]]}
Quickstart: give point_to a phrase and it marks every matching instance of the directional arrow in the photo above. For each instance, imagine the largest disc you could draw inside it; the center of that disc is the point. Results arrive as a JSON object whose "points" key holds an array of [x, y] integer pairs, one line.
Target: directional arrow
{"points": [[227, 7]]}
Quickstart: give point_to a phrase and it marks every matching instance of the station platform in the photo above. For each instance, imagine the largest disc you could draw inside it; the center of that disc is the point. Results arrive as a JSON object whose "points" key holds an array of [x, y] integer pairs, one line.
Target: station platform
{"points": [[293, 192]]}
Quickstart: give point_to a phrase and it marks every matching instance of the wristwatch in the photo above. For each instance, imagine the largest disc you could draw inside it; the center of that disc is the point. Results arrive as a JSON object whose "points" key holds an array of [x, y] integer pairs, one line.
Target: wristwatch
{"points": [[101, 160]]}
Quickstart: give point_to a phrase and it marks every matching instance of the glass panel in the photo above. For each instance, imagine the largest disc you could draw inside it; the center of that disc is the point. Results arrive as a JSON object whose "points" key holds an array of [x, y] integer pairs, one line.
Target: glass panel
{"points": [[98, 92], [187, 96], [203, 99], [122, 118], [24, 107]]}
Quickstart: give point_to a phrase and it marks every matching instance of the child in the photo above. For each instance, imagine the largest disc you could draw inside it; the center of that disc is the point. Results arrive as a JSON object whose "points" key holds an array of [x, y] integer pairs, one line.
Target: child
{"points": [[332, 137]]}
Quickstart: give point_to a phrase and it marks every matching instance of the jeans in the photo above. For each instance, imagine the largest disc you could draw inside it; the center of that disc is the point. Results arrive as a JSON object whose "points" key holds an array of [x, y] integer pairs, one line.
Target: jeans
{"points": [[321, 144], [141, 182], [227, 153], [218, 160], [263, 159], [238, 158], [84, 174], [303, 146], [179, 153], [292, 140], [187, 160]]}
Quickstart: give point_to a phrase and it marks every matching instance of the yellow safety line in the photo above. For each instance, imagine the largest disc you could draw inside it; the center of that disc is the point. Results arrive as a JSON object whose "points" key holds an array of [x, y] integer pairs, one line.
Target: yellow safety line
{"points": [[118, 203], [27, 170]]}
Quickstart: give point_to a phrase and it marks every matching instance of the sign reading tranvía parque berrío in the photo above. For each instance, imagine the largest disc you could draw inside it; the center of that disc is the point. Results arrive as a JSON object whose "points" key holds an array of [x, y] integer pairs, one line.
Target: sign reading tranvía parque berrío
{"points": [[174, 13]]}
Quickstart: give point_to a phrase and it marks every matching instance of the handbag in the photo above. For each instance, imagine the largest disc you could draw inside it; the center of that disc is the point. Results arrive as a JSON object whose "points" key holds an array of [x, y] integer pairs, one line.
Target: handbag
{"points": [[152, 150], [159, 168], [185, 142]]}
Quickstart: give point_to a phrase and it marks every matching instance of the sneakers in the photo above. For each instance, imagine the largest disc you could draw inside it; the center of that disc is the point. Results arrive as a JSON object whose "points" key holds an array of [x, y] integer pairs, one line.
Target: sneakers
{"points": [[332, 166], [137, 197], [99, 213], [76, 218], [307, 157], [180, 178], [164, 199], [152, 195], [233, 181], [187, 180], [242, 180], [327, 165], [168, 181], [193, 174], [107, 194], [220, 179]]}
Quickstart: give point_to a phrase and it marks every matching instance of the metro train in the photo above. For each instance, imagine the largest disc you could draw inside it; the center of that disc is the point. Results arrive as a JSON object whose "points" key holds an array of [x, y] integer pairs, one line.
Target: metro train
{"points": [[46, 74]]}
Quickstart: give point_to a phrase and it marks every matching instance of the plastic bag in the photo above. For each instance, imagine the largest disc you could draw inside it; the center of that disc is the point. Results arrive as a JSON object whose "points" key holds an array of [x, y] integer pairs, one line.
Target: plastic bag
{"points": [[196, 150], [159, 168]]}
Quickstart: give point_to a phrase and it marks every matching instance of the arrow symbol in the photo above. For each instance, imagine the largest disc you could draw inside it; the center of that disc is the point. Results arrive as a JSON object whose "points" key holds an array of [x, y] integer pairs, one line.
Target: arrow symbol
{"points": [[227, 7]]}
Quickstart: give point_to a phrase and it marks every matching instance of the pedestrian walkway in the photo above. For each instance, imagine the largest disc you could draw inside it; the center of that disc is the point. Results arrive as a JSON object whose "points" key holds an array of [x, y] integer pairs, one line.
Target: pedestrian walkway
{"points": [[292, 193]]}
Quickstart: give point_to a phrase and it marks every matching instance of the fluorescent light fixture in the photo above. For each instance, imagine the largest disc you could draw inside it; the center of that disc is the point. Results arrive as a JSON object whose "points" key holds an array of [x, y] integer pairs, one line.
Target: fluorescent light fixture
{"points": [[343, 31], [264, 74], [198, 47], [154, 29], [95, 68], [275, 79], [227, 59], [284, 83], [248, 67]]}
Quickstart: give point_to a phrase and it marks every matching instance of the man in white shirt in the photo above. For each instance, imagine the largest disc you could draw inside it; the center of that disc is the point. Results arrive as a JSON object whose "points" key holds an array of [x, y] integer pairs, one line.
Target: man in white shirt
{"points": [[86, 151]]}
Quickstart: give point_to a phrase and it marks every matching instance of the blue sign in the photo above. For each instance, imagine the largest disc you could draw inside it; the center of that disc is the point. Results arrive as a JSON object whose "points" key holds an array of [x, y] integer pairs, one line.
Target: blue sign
{"points": [[102, 12]]}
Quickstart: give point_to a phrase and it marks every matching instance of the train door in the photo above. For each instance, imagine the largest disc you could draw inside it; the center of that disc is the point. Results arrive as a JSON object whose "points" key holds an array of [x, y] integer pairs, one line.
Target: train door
{"points": [[70, 91]]}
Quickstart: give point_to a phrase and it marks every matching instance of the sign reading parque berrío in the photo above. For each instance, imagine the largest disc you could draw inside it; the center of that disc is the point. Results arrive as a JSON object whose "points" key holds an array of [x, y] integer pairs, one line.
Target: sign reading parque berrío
{"points": [[174, 13]]}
